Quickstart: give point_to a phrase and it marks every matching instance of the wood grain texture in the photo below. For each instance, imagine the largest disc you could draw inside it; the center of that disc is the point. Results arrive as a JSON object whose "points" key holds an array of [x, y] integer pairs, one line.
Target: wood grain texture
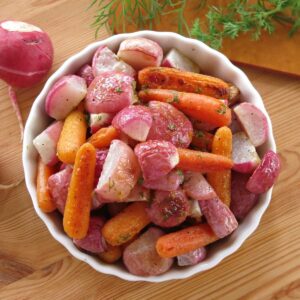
{"points": [[34, 266]]}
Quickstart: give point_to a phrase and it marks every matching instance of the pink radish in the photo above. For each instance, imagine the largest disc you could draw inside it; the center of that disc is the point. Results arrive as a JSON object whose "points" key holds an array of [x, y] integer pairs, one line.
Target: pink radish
{"points": [[253, 121], [191, 258], [156, 158], [120, 173], [86, 72], [46, 143], [100, 159], [175, 59], [139, 193], [64, 96], [265, 174], [141, 53], [105, 60], [196, 186], [169, 182], [97, 121], [26, 56], [135, 121], [110, 92], [244, 155], [235, 125]]}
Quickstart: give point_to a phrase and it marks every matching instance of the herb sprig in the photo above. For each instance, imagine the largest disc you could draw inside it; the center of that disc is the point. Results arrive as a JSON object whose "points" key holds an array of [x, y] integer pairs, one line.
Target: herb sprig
{"points": [[230, 21]]}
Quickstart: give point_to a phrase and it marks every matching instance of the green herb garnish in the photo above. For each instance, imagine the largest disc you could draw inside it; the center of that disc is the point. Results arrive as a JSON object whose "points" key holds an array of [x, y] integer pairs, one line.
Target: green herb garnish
{"points": [[199, 134], [111, 184], [119, 90], [222, 109], [140, 181], [172, 127]]}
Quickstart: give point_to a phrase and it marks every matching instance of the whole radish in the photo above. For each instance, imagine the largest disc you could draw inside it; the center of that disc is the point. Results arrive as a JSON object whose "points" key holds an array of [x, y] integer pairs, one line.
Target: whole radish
{"points": [[26, 56]]}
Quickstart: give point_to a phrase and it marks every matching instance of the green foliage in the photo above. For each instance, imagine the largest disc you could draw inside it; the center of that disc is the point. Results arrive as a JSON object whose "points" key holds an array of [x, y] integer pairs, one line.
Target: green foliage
{"points": [[237, 18]]}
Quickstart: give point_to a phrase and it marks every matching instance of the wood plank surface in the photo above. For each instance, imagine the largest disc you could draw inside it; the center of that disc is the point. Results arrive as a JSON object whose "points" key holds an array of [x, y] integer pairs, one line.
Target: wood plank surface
{"points": [[34, 266]]}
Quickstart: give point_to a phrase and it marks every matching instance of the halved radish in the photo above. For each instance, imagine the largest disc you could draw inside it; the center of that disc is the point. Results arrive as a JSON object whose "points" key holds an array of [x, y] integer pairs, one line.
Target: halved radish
{"points": [[135, 121], [197, 187], [120, 172], [100, 120], [140, 53], [156, 158], [138, 193], [64, 96], [191, 258], [265, 174], [169, 182], [253, 121], [86, 72], [195, 210], [175, 59], [244, 155], [110, 92], [46, 143], [105, 60]]}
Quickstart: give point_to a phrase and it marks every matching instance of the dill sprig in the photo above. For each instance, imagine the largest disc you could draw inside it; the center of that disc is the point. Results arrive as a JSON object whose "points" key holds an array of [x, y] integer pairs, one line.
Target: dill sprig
{"points": [[238, 17]]}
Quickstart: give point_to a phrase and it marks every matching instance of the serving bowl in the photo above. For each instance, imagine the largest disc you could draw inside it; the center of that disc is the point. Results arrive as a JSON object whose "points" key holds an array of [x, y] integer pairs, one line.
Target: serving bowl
{"points": [[211, 62]]}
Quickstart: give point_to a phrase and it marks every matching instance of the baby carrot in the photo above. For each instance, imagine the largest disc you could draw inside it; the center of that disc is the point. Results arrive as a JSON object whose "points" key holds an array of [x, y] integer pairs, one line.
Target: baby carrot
{"points": [[126, 224], [44, 198], [103, 137], [72, 136], [200, 107], [78, 205], [185, 240], [202, 140], [173, 79], [221, 180], [197, 161], [111, 255]]}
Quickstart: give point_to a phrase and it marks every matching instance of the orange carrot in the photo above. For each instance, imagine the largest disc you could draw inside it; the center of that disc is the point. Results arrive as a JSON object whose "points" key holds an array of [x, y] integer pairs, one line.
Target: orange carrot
{"points": [[111, 255], [173, 79], [221, 180], [103, 137], [126, 224], [77, 211], [197, 161], [185, 240], [44, 198], [72, 136], [202, 140], [200, 107]]}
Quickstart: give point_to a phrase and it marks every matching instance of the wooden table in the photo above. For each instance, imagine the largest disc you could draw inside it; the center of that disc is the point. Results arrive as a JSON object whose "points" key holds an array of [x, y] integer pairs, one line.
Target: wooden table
{"points": [[34, 266]]}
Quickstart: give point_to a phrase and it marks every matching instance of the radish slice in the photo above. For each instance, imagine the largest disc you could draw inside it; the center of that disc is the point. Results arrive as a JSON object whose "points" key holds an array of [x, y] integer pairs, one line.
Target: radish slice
{"points": [[175, 59], [105, 60], [97, 121], [253, 121], [244, 155], [135, 121], [191, 258], [46, 143], [140, 53], [64, 96]]}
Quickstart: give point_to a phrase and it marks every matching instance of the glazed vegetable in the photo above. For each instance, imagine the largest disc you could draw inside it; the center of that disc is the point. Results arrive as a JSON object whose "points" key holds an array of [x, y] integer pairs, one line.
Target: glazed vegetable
{"points": [[172, 79], [254, 122], [26, 56], [100, 159], [200, 107], [105, 60], [46, 143], [72, 136], [156, 158], [185, 240], [265, 174], [168, 209], [86, 72], [125, 225], [140, 53], [169, 124], [195, 211], [45, 201], [221, 180], [192, 258], [103, 137], [197, 161], [77, 211], [111, 254], [120, 173], [141, 258], [64, 96], [135, 121], [97, 121], [175, 59], [110, 92], [244, 155], [202, 140]]}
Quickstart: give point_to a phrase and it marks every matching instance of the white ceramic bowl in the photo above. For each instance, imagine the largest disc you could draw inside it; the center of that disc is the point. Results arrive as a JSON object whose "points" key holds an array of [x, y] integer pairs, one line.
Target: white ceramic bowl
{"points": [[211, 62]]}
